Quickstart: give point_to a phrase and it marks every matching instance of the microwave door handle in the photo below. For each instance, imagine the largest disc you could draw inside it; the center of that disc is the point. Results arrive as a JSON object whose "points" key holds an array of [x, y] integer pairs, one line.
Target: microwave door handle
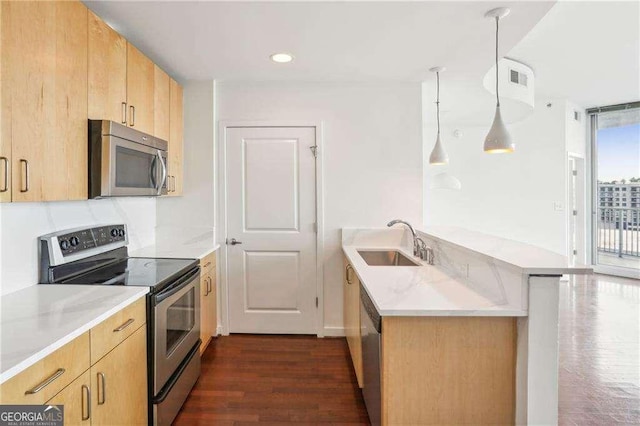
{"points": [[164, 172], [154, 172]]}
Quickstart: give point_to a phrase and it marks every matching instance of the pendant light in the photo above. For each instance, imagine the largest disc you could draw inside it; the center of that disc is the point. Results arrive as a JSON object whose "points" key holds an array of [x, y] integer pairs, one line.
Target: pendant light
{"points": [[438, 155], [498, 139]]}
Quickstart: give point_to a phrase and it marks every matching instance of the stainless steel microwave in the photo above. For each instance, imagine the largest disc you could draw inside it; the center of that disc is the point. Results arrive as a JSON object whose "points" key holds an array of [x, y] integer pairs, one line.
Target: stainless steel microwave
{"points": [[124, 162]]}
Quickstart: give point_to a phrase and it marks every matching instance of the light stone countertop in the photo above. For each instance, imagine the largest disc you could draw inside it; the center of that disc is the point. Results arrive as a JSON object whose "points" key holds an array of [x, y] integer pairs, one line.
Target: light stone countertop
{"points": [[425, 290], [179, 243], [530, 259], [37, 320]]}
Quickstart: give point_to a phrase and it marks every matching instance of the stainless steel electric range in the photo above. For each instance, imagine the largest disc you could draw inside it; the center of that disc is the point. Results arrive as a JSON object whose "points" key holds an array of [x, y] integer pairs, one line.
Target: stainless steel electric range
{"points": [[99, 256]]}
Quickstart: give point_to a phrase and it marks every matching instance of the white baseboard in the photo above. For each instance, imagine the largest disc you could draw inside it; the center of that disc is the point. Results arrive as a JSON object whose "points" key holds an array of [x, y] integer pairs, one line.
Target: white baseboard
{"points": [[333, 331], [565, 277]]}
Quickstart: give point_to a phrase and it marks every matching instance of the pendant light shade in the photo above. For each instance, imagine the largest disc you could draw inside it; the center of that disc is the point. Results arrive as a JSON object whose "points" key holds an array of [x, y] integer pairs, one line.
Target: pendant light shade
{"points": [[498, 139], [438, 154]]}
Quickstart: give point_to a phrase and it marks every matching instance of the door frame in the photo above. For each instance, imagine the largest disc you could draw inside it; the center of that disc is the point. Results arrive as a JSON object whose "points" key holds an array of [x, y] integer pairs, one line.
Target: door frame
{"points": [[221, 220], [581, 193]]}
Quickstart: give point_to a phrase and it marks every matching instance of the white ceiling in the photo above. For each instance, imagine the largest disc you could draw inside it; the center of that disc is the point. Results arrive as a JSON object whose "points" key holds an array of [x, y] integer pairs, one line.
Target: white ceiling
{"points": [[332, 41], [587, 52]]}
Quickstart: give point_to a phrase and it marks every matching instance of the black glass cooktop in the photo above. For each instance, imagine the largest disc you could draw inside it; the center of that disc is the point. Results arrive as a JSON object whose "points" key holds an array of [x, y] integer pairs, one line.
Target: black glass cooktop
{"points": [[136, 271]]}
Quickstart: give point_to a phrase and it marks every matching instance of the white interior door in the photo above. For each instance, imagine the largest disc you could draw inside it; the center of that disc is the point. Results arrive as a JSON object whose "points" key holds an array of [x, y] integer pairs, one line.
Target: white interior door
{"points": [[271, 214]]}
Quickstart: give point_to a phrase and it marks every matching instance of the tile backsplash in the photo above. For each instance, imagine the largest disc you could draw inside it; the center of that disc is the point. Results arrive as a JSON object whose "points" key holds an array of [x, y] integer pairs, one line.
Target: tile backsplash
{"points": [[22, 223]]}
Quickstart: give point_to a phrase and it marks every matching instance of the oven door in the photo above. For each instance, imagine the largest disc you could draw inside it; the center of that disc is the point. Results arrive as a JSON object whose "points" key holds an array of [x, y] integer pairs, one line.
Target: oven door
{"points": [[130, 168], [176, 326]]}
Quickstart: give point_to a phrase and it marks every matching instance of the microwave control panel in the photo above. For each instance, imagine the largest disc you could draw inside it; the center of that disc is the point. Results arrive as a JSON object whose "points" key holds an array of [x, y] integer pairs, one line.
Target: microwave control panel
{"points": [[86, 239]]}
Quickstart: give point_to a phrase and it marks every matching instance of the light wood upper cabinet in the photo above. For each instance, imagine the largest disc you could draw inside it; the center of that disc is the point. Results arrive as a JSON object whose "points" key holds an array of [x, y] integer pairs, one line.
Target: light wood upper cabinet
{"points": [[76, 399], [161, 105], [176, 139], [119, 384], [107, 72], [140, 93], [44, 99], [5, 146], [351, 313]]}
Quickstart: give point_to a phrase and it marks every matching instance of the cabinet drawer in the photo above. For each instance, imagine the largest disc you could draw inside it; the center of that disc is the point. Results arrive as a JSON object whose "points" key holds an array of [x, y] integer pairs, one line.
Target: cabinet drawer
{"points": [[109, 333], [208, 262], [48, 376], [76, 399]]}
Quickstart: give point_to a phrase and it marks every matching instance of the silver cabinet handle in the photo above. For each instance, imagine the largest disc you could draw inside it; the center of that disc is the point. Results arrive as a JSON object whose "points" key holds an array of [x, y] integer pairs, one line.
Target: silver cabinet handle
{"points": [[233, 242], [132, 115], [47, 382], [87, 392], [206, 265], [125, 325], [124, 113], [348, 269], [26, 175], [6, 174], [209, 285], [101, 387]]}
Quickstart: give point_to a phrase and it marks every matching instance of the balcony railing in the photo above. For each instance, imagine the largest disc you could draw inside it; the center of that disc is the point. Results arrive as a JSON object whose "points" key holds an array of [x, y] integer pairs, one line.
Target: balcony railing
{"points": [[619, 231]]}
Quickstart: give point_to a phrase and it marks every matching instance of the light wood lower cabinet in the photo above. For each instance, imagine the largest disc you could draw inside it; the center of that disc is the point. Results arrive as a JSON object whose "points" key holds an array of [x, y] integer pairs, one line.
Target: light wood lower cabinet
{"points": [[119, 384], [208, 302], [110, 390], [448, 370], [76, 399], [351, 305]]}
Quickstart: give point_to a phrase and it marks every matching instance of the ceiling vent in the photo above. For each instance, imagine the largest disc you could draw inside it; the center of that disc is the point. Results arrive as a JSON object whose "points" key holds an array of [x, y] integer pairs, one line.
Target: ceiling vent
{"points": [[518, 77]]}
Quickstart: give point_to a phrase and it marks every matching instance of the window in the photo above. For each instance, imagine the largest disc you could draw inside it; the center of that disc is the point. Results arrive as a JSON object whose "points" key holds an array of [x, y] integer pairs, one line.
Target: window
{"points": [[615, 154]]}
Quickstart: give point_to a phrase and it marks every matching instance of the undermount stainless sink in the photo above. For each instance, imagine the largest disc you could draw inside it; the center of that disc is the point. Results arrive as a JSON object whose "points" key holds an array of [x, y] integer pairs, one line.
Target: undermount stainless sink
{"points": [[386, 258]]}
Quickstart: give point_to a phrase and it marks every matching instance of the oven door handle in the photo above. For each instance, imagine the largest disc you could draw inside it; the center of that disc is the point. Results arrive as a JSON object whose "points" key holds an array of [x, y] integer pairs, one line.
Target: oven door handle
{"points": [[177, 286]]}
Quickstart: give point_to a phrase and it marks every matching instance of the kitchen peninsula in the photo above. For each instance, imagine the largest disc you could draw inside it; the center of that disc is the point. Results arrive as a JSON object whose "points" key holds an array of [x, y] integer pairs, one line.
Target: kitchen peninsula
{"points": [[472, 338]]}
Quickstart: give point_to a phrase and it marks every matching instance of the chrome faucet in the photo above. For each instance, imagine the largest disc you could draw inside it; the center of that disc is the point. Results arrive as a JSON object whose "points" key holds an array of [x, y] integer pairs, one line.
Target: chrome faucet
{"points": [[416, 247]]}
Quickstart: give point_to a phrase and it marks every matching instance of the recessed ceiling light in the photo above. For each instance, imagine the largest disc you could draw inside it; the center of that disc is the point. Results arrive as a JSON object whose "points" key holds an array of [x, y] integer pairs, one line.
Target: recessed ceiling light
{"points": [[282, 58]]}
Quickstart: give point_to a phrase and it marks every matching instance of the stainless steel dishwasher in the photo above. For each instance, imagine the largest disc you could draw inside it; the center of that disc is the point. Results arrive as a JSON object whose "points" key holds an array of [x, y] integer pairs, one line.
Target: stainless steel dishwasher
{"points": [[371, 325]]}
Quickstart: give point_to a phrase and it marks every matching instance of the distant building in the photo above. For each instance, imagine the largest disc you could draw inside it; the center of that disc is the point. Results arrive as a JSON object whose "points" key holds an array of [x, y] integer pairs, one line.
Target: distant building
{"points": [[619, 200]]}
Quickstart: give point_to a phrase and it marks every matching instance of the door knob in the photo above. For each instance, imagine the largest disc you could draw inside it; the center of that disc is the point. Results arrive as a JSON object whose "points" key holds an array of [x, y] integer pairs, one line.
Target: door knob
{"points": [[233, 241]]}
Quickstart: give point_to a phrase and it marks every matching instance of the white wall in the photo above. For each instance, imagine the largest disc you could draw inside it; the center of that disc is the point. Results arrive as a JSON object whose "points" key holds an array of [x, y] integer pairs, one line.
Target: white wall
{"points": [[372, 153], [195, 209], [520, 196], [22, 223]]}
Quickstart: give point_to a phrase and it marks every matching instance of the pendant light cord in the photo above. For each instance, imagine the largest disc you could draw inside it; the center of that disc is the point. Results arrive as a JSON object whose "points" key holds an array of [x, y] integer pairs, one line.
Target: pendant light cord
{"points": [[497, 93], [438, 100]]}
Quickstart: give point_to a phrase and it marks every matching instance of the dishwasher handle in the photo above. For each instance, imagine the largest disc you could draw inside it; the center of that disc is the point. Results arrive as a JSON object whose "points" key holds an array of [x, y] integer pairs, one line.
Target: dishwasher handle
{"points": [[370, 309]]}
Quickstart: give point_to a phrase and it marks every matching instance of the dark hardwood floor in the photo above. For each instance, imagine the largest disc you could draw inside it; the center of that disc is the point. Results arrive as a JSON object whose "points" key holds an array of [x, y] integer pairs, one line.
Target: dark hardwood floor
{"points": [[275, 379], [248, 379]]}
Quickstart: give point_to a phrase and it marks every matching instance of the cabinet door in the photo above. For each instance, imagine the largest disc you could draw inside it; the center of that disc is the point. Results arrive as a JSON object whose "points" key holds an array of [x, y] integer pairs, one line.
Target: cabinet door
{"points": [[119, 384], [76, 399], [107, 72], [176, 144], [213, 306], [205, 333], [352, 318], [44, 71], [5, 134], [161, 105], [140, 73]]}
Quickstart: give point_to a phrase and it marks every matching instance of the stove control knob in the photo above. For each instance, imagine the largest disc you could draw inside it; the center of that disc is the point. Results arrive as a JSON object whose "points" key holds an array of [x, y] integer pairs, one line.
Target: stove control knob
{"points": [[64, 244], [121, 233], [114, 232], [74, 241]]}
